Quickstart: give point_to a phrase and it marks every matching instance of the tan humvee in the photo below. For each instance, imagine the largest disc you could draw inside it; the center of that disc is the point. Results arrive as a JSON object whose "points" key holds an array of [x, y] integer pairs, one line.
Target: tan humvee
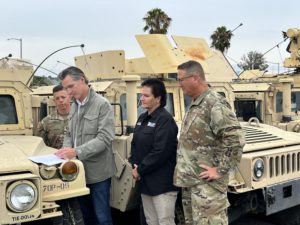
{"points": [[29, 191], [269, 165], [273, 99]]}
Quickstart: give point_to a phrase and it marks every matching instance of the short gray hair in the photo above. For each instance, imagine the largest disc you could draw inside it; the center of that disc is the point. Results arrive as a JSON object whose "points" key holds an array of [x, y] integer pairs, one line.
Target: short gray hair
{"points": [[192, 66]]}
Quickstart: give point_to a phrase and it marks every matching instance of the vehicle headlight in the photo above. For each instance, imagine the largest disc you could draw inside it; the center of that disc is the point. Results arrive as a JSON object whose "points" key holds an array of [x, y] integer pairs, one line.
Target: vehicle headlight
{"points": [[69, 170], [47, 172], [258, 169], [21, 196]]}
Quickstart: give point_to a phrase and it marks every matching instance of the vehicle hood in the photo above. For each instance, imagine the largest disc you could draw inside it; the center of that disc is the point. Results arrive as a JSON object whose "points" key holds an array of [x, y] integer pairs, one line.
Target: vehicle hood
{"points": [[15, 150], [263, 137]]}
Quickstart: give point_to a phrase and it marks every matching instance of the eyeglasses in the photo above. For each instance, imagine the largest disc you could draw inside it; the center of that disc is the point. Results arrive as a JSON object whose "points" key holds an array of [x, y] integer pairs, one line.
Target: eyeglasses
{"points": [[185, 77]]}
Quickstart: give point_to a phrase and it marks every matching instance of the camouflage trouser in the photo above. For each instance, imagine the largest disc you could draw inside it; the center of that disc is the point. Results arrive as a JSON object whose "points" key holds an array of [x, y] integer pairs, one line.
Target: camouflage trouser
{"points": [[204, 205]]}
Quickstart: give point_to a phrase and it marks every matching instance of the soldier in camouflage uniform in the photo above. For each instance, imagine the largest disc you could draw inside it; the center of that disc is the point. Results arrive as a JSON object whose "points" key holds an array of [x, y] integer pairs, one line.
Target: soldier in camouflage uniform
{"points": [[52, 127], [210, 145]]}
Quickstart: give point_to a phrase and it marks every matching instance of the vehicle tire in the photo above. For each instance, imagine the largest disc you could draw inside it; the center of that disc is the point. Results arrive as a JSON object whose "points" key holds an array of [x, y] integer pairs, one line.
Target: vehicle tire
{"points": [[71, 212], [71, 215], [179, 214], [289, 216]]}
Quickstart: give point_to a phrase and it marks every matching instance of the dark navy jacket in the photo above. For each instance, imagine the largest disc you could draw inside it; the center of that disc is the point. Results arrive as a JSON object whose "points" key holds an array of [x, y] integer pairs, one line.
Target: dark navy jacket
{"points": [[153, 149]]}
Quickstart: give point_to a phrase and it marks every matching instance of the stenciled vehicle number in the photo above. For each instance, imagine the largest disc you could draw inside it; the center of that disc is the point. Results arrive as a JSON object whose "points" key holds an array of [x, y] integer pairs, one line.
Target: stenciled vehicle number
{"points": [[23, 217], [55, 187]]}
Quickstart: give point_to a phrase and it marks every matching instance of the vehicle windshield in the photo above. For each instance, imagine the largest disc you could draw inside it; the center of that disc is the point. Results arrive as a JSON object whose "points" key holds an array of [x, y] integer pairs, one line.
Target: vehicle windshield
{"points": [[169, 105], [295, 104], [8, 114]]}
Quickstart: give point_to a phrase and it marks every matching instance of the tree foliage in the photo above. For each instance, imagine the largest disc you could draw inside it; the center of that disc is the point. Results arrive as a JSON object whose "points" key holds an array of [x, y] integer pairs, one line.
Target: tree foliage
{"points": [[157, 21], [221, 39], [252, 61], [41, 81]]}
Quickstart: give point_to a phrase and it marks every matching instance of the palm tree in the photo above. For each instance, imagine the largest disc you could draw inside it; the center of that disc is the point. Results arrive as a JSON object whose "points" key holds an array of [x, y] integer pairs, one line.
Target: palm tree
{"points": [[157, 21], [221, 39]]}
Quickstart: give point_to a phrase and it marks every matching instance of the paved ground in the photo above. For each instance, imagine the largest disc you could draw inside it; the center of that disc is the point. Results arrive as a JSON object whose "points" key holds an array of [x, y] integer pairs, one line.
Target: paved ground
{"points": [[251, 220], [129, 218], [132, 218]]}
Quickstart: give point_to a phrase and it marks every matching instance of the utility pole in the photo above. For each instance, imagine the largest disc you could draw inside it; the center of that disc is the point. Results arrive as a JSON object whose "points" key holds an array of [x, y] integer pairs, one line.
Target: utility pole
{"points": [[21, 47], [276, 63]]}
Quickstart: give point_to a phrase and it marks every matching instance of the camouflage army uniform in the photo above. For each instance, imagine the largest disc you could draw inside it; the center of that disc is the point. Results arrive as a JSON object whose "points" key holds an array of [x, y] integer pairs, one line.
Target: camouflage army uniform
{"points": [[211, 135], [52, 129]]}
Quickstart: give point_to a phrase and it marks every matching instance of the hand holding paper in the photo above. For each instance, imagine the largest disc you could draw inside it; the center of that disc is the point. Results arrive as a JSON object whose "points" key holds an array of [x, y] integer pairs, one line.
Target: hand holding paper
{"points": [[66, 153]]}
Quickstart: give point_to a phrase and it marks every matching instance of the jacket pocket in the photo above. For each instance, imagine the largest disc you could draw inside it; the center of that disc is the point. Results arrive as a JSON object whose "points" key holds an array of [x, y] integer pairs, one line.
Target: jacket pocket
{"points": [[147, 137], [90, 124], [148, 131], [185, 127]]}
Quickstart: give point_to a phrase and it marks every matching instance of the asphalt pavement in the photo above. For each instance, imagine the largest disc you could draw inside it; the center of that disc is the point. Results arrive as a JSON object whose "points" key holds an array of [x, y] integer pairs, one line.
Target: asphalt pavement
{"points": [[132, 218]]}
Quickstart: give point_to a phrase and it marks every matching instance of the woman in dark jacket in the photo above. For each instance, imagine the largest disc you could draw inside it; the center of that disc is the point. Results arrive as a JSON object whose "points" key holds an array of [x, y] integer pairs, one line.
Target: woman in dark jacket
{"points": [[153, 155]]}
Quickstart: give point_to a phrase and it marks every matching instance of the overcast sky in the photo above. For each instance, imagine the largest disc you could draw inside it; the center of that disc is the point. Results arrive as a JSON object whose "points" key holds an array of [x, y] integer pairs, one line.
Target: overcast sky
{"points": [[48, 25]]}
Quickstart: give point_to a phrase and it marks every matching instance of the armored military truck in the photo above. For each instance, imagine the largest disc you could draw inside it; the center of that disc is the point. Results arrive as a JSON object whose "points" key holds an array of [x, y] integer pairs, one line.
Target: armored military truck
{"points": [[29, 188], [267, 178], [273, 99]]}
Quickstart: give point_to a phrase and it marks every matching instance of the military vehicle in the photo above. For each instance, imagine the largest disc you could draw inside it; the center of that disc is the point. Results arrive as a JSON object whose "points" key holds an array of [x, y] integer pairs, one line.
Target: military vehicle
{"points": [[29, 190], [273, 99], [267, 178]]}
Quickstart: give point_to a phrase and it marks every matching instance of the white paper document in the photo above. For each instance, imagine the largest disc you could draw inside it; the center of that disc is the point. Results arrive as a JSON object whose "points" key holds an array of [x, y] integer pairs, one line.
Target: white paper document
{"points": [[48, 160]]}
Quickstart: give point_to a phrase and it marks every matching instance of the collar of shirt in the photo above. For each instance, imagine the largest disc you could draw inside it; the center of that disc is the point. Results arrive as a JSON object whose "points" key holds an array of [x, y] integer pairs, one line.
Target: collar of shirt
{"points": [[81, 103], [154, 114], [198, 100], [84, 100], [60, 116]]}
